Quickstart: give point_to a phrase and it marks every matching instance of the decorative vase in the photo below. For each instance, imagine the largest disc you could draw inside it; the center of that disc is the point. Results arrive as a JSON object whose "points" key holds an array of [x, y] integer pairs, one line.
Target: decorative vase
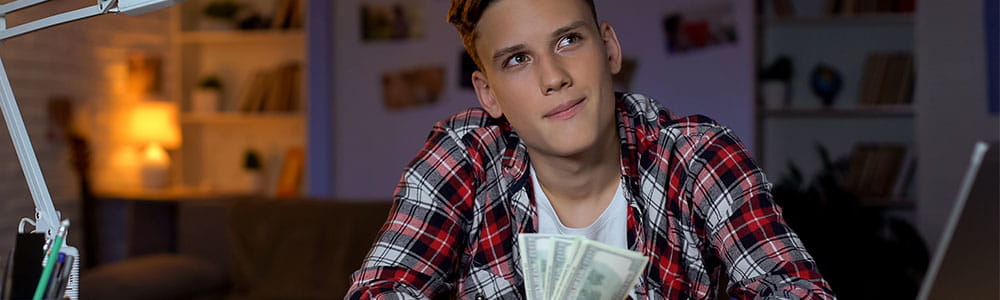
{"points": [[775, 94], [205, 100], [216, 24], [826, 83]]}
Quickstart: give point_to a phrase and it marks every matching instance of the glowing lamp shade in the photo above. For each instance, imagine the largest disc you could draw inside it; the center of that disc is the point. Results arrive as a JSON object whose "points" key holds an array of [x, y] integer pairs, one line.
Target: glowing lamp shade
{"points": [[153, 126]]}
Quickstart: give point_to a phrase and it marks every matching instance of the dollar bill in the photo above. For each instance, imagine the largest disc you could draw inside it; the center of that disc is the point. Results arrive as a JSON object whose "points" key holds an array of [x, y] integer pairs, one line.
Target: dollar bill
{"points": [[600, 272], [535, 250], [563, 251]]}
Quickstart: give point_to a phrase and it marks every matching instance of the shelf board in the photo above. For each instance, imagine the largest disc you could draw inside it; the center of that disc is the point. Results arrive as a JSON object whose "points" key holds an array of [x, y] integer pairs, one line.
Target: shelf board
{"points": [[243, 36], [888, 203], [240, 117], [882, 111], [879, 19]]}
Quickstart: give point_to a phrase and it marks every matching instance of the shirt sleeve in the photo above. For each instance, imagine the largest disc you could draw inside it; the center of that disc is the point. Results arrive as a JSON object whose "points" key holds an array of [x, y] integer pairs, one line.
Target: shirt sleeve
{"points": [[416, 251], [763, 257]]}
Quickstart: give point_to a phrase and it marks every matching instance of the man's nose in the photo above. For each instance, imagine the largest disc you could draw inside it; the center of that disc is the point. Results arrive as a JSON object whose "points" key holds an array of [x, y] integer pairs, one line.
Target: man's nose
{"points": [[553, 76]]}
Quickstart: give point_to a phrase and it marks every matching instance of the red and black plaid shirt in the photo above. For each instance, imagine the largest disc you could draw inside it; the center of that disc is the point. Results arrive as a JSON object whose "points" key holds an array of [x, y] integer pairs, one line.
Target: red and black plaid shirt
{"points": [[698, 206]]}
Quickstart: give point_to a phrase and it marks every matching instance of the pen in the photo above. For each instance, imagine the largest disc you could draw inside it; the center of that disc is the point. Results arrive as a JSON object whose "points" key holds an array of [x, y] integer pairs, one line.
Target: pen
{"points": [[56, 280], [50, 263]]}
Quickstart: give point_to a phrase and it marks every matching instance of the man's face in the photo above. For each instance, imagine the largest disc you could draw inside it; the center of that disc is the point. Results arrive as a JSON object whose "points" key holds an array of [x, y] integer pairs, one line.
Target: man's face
{"points": [[548, 69]]}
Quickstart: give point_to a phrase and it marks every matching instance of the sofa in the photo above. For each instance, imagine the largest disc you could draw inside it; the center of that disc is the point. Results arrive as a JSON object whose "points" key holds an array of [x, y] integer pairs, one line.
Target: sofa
{"points": [[249, 249]]}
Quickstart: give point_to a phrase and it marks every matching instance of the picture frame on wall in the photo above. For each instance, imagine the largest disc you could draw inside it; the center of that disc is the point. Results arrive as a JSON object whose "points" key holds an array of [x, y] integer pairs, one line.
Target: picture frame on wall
{"points": [[700, 26], [399, 20]]}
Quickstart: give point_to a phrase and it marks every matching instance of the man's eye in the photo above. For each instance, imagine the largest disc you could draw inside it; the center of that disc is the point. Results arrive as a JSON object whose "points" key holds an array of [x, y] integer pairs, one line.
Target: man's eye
{"points": [[569, 40], [516, 60]]}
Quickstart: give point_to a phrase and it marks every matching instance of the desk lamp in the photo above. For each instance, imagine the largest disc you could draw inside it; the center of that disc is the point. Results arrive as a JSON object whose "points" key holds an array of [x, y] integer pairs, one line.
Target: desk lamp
{"points": [[153, 125], [47, 218]]}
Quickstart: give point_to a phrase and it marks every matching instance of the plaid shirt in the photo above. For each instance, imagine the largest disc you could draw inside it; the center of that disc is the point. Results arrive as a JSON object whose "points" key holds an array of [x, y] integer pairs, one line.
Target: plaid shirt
{"points": [[698, 206]]}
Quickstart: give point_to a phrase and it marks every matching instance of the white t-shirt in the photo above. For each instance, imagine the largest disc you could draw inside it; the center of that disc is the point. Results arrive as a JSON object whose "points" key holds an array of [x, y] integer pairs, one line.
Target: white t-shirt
{"points": [[610, 228]]}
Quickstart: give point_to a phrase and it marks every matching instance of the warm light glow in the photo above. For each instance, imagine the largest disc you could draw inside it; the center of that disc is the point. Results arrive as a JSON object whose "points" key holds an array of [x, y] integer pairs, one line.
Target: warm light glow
{"points": [[154, 122], [155, 155]]}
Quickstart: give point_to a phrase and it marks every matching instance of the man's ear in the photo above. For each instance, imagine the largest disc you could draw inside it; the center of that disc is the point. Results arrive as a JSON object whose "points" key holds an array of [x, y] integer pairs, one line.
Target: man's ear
{"points": [[486, 98], [612, 46]]}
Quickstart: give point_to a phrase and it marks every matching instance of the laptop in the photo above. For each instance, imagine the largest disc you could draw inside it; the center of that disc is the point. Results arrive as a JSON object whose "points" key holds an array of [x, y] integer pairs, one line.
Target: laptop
{"points": [[966, 263]]}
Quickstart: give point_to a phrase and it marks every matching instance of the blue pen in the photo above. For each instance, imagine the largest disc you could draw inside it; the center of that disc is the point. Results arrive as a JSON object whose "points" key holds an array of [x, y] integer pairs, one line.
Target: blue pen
{"points": [[57, 278]]}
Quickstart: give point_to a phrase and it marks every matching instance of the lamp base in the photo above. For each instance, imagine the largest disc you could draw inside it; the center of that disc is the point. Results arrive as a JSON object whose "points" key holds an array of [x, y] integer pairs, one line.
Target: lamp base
{"points": [[155, 177]]}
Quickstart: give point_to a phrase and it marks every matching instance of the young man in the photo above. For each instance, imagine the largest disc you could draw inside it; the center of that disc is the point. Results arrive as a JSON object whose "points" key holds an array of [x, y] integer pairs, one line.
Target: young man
{"points": [[555, 150]]}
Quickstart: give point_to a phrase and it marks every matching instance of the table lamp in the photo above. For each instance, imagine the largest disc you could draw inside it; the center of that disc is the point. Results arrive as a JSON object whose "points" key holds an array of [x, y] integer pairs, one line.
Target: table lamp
{"points": [[153, 126], [47, 218]]}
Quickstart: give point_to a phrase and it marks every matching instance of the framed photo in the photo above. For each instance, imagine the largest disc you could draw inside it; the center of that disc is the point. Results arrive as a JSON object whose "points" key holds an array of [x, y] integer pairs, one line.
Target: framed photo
{"points": [[402, 20]]}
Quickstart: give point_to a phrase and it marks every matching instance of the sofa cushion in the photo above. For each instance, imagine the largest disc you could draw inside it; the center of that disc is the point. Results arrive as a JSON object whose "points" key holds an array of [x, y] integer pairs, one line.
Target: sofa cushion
{"points": [[153, 277], [300, 249]]}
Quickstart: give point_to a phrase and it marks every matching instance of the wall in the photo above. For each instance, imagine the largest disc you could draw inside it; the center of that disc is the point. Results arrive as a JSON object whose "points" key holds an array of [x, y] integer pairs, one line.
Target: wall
{"points": [[372, 144], [81, 60], [950, 104]]}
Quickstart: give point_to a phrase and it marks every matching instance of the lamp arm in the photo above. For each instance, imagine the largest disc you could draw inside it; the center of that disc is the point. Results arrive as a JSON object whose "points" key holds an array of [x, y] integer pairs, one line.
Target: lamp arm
{"points": [[102, 7], [13, 6], [47, 218]]}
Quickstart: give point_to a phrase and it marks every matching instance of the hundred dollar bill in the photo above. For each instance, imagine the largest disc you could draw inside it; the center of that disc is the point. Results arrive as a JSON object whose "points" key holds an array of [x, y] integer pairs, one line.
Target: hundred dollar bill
{"points": [[601, 272], [535, 250], [563, 251]]}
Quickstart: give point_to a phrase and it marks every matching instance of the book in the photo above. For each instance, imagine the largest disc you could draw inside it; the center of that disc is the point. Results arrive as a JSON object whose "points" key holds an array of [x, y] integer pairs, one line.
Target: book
{"points": [[783, 8], [288, 14], [297, 20], [904, 91], [290, 178], [277, 90], [879, 174], [295, 81], [887, 79], [252, 97], [904, 182], [872, 76], [282, 12], [273, 90]]}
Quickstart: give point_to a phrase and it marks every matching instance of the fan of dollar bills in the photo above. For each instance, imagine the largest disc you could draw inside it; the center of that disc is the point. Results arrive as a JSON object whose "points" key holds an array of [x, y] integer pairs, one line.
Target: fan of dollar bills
{"points": [[572, 267]]}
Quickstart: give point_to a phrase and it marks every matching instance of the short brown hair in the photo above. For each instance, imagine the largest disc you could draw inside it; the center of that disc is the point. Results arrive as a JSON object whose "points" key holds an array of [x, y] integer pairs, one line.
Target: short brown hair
{"points": [[465, 15]]}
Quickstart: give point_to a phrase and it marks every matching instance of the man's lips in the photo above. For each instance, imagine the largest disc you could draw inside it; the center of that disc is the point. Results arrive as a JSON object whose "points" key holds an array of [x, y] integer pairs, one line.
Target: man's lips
{"points": [[565, 110]]}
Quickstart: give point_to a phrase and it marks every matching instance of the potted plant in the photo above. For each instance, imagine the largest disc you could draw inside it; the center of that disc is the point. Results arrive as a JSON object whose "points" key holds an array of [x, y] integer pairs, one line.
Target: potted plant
{"points": [[221, 15], [254, 170], [206, 97]]}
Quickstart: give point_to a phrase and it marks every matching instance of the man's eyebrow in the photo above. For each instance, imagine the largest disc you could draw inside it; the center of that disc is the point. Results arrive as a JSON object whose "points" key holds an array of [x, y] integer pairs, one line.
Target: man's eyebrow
{"points": [[505, 51], [563, 30], [555, 35]]}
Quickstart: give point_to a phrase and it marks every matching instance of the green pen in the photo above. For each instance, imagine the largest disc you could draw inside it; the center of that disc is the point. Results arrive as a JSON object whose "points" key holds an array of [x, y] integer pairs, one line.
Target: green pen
{"points": [[50, 262]]}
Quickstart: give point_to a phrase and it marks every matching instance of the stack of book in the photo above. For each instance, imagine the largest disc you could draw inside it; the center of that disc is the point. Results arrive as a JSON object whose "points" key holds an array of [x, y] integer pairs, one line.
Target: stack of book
{"points": [[887, 79], [856, 7], [880, 174], [275, 90], [288, 14]]}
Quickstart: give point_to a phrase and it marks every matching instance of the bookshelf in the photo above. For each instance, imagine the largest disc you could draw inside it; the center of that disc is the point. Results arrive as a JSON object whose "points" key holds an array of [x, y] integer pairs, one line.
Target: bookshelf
{"points": [[860, 20], [873, 105], [881, 111], [246, 38], [241, 118], [261, 104]]}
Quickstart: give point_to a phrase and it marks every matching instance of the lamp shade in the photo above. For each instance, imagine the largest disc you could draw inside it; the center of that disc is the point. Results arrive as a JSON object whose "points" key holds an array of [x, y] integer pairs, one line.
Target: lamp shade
{"points": [[155, 122]]}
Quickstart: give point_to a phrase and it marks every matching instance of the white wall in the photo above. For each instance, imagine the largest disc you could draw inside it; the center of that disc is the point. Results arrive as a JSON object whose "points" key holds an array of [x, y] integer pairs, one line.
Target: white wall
{"points": [[716, 82], [82, 60], [950, 104], [372, 145]]}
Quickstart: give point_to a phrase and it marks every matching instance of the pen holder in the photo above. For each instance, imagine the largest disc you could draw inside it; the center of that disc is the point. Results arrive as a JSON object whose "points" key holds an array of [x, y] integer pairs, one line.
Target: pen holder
{"points": [[72, 288]]}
